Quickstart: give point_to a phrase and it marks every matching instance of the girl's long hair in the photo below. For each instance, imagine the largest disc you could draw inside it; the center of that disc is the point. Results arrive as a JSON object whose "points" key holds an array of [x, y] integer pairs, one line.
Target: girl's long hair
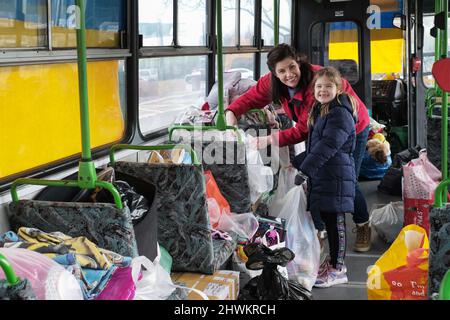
{"points": [[279, 53], [334, 76]]}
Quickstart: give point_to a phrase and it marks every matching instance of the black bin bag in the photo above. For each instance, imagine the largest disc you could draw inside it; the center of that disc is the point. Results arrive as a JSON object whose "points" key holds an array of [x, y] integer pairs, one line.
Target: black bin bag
{"points": [[271, 285]]}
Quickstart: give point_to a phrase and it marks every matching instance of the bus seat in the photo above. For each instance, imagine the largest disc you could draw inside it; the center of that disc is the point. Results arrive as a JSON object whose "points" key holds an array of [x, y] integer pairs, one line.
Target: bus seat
{"points": [[102, 223], [145, 230], [183, 222], [441, 73], [230, 172]]}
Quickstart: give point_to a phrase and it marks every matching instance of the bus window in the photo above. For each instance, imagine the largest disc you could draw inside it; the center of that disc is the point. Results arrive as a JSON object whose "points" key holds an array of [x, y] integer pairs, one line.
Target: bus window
{"points": [[192, 23], [104, 21], [267, 22], [229, 18], [242, 63], [336, 44], [264, 67], [247, 15], [181, 84], [43, 125], [428, 50], [156, 22], [23, 23]]}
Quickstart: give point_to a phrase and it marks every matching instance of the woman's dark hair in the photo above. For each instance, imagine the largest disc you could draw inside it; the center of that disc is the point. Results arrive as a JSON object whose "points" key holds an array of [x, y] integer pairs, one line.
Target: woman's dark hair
{"points": [[279, 53]]}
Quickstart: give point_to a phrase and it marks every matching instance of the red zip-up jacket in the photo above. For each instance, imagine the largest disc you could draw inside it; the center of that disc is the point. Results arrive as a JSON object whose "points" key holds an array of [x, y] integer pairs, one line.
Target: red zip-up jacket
{"points": [[259, 96]]}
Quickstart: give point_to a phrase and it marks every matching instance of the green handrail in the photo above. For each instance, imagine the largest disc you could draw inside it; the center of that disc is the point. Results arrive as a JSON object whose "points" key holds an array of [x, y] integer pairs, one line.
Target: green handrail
{"points": [[8, 270], [65, 183], [87, 177], [186, 147], [444, 290]]}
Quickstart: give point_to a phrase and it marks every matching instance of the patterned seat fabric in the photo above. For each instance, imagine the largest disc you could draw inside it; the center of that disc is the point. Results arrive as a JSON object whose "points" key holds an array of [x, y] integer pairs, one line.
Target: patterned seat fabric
{"points": [[183, 221], [439, 258], [227, 163], [102, 223]]}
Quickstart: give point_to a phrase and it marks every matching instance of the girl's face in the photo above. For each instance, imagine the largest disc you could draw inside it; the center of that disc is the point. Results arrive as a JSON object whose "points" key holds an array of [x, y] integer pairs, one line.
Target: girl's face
{"points": [[325, 90], [288, 71]]}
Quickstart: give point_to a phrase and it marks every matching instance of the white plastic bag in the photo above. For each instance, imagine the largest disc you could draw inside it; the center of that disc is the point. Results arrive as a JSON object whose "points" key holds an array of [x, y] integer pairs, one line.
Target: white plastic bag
{"points": [[155, 283], [260, 177], [388, 220], [286, 181], [301, 238]]}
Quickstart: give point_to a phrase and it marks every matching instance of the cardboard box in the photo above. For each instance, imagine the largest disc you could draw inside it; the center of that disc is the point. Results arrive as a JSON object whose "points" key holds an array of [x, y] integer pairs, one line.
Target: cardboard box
{"points": [[222, 285]]}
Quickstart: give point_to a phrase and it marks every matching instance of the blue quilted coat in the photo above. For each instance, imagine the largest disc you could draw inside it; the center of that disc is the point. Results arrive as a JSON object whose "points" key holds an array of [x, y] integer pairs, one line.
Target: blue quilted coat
{"points": [[329, 162]]}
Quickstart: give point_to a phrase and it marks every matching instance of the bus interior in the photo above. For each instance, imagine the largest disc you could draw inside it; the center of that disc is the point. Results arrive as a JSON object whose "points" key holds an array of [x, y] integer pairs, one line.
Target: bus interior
{"points": [[148, 64]]}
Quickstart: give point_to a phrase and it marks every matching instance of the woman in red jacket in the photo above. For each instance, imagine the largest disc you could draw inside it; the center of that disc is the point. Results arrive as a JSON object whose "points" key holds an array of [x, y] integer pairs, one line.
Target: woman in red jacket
{"points": [[289, 84]]}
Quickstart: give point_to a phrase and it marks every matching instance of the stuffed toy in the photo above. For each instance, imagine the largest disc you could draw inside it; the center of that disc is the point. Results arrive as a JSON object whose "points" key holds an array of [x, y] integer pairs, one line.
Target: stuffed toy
{"points": [[378, 148]]}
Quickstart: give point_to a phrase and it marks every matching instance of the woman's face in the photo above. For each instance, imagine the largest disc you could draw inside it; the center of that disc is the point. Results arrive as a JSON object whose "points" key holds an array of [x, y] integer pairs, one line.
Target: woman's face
{"points": [[288, 71], [324, 90]]}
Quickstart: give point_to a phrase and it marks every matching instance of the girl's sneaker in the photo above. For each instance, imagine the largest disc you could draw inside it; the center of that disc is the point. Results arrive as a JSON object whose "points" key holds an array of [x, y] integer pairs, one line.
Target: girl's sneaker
{"points": [[331, 277]]}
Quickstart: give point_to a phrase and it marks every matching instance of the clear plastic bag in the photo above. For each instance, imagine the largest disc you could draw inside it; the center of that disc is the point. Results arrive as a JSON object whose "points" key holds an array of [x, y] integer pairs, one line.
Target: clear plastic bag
{"points": [[387, 220], [301, 238], [243, 224]]}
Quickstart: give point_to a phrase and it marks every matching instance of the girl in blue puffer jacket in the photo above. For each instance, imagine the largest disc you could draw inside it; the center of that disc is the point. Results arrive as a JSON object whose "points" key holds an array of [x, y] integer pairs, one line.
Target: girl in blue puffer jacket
{"points": [[329, 168]]}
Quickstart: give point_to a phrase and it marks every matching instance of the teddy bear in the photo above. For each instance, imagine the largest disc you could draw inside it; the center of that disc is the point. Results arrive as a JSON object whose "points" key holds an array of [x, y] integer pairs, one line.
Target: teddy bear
{"points": [[378, 148]]}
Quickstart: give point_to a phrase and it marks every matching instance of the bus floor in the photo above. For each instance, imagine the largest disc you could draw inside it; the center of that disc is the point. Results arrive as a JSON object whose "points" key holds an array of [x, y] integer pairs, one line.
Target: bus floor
{"points": [[357, 263]]}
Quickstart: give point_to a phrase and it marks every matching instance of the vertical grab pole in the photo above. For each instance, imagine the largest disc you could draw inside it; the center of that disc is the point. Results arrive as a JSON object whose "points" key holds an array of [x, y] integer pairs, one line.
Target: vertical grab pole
{"points": [[444, 109], [87, 174], [220, 121], [276, 22]]}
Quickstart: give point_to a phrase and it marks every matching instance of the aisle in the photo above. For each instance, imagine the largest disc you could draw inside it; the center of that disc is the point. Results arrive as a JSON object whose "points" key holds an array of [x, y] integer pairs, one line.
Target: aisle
{"points": [[357, 263]]}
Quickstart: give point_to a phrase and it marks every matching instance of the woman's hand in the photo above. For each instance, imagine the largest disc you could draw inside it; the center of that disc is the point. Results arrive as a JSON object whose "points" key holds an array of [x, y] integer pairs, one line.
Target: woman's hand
{"points": [[231, 118]]}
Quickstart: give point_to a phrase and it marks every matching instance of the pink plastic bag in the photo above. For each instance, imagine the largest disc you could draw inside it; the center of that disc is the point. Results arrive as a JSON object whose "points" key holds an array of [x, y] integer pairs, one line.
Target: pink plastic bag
{"points": [[420, 178], [120, 287], [49, 280]]}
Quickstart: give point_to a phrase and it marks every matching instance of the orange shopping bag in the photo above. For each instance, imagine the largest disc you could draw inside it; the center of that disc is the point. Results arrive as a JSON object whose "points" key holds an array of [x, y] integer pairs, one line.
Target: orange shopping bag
{"points": [[401, 273], [217, 204]]}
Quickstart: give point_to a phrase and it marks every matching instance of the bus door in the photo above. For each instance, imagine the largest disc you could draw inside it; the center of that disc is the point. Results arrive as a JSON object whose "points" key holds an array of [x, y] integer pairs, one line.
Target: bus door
{"points": [[335, 33]]}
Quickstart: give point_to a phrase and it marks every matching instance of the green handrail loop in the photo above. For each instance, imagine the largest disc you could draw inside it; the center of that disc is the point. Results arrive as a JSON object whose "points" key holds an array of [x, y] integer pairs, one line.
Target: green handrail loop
{"points": [[87, 177], [441, 189], [65, 183], [444, 290], [10, 275], [202, 128], [186, 147]]}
